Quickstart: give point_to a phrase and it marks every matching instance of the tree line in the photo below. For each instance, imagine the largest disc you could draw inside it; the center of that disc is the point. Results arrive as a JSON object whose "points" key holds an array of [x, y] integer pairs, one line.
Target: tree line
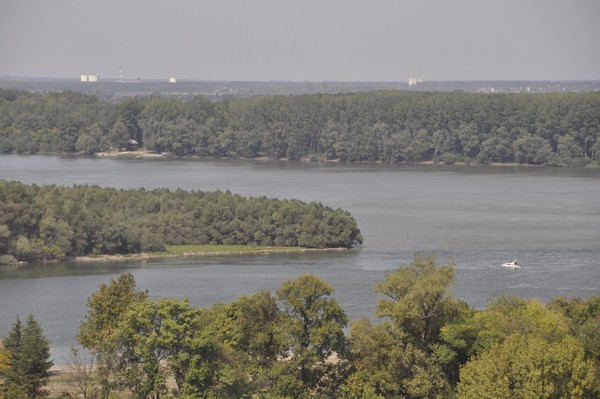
{"points": [[299, 343], [557, 129], [50, 221]]}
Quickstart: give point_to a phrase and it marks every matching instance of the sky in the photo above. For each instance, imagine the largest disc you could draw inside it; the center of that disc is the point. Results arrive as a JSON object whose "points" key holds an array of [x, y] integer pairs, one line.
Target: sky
{"points": [[302, 40]]}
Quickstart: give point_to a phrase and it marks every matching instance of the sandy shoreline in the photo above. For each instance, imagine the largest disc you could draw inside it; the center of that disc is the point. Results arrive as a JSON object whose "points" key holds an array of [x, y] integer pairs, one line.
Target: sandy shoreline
{"points": [[146, 154], [132, 154], [145, 256]]}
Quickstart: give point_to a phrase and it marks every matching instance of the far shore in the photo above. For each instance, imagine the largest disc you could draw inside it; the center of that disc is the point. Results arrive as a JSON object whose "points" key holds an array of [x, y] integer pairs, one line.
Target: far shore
{"points": [[132, 154], [150, 154], [140, 154]]}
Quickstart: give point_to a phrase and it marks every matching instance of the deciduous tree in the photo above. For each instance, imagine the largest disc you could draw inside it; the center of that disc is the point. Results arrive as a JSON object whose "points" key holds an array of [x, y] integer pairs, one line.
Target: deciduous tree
{"points": [[99, 332], [417, 299], [314, 326], [398, 357], [527, 366]]}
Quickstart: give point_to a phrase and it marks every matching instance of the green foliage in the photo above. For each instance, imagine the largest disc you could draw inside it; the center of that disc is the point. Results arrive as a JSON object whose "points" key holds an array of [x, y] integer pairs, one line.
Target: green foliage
{"points": [[314, 326], [51, 222], [389, 366], [266, 346], [100, 331], [528, 366], [355, 388], [221, 249], [251, 327], [402, 356], [417, 299], [28, 352], [8, 260], [107, 308], [583, 320], [168, 334], [558, 129], [506, 316]]}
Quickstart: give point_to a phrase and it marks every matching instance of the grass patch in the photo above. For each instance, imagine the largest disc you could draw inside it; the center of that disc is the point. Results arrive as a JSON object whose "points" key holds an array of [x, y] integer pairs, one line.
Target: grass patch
{"points": [[200, 250], [221, 249]]}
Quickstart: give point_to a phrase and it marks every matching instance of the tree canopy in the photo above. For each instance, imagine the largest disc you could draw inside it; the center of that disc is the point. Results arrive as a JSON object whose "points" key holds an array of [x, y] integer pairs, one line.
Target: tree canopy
{"points": [[558, 129], [48, 222], [28, 352], [294, 343]]}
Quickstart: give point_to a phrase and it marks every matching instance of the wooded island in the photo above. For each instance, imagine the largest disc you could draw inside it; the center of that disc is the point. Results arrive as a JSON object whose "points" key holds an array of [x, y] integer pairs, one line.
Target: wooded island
{"points": [[53, 222]]}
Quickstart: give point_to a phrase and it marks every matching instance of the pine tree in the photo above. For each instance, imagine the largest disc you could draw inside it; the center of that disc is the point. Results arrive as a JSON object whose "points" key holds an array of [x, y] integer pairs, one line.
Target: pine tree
{"points": [[29, 358], [12, 345]]}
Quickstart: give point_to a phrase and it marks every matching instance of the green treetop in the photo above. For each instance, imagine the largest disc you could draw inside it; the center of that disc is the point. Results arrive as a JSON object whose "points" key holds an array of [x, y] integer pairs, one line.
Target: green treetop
{"points": [[28, 352]]}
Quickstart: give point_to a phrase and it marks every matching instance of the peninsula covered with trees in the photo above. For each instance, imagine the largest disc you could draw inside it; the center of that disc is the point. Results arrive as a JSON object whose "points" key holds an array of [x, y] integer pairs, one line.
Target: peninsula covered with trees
{"points": [[50, 222], [555, 129]]}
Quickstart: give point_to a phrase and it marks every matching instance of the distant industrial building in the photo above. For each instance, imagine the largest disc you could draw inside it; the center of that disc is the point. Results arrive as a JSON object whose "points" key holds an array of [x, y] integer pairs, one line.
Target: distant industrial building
{"points": [[90, 78], [172, 80]]}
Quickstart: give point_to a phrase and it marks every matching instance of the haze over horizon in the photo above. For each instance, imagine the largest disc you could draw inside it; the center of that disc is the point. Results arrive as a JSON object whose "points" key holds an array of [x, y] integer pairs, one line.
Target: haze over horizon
{"points": [[270, 40]]}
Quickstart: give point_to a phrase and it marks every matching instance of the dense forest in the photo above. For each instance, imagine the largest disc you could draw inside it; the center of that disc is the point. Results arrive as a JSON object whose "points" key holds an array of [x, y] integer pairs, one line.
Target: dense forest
{"points": [[298, 343], [48, 222], [558, 129]]}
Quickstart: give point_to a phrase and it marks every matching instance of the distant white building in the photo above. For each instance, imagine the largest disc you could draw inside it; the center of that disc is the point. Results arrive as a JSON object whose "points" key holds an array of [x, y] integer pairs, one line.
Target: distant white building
{"points": [[415, 81], [172, 80], [90, 78]]}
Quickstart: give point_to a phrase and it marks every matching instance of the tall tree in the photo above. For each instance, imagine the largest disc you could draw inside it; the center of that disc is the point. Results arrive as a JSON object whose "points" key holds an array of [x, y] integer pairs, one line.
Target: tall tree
{"points": [[417, 299], [387, 364], [29, 358], [252, 326], [99, 333], [168, 338], [394, 358], [130, 112], [315, 328]]}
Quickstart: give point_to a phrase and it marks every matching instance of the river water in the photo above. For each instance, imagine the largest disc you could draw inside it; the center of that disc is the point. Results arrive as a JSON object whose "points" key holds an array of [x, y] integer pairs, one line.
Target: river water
{"points": [[479, 217]]}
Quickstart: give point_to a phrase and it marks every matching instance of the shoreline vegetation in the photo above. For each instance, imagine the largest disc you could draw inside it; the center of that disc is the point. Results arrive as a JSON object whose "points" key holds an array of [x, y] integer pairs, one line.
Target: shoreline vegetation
{"points": [[298, 342], [181, 251], [51, 222], [163, 155], [391, 127]]}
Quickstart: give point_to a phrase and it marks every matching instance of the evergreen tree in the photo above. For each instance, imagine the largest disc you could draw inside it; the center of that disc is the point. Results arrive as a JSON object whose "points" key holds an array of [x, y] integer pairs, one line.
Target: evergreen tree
{"points": [[29, 358], [12, 344]]}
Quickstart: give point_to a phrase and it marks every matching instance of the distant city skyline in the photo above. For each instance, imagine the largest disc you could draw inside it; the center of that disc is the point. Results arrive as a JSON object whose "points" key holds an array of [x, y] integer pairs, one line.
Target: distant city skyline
{"points": [[302, 40]]}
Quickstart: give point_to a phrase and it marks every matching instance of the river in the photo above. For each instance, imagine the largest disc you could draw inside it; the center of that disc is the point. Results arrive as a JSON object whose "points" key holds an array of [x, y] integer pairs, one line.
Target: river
{"points": [[479, 217]]}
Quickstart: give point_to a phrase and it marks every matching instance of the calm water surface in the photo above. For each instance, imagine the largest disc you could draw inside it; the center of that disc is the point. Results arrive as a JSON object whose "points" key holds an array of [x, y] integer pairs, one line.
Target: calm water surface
{"points": [[479, 217]]}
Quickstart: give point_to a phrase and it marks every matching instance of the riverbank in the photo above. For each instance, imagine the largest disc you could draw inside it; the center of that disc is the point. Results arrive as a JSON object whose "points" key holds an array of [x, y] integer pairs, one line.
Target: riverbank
{"points": [[132, 154], [154, 155], [179, 251], [141, 154]]}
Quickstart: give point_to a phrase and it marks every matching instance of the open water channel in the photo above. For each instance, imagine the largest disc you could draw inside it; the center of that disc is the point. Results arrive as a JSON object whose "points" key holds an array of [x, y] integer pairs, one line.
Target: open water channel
{"points": [[480, 217]]}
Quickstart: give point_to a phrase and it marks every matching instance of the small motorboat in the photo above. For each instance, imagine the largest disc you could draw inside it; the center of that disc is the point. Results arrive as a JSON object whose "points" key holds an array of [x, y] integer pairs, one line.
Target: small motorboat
{"points": [[512, 265]]}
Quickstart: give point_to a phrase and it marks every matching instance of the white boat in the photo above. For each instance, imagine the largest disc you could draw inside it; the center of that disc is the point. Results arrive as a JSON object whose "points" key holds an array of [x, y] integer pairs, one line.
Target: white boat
{"points": [[512, 265]]}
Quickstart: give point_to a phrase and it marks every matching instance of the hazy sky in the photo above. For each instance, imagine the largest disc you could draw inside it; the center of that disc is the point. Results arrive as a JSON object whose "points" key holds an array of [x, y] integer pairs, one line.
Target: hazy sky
{"points": [[316, 40]]}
